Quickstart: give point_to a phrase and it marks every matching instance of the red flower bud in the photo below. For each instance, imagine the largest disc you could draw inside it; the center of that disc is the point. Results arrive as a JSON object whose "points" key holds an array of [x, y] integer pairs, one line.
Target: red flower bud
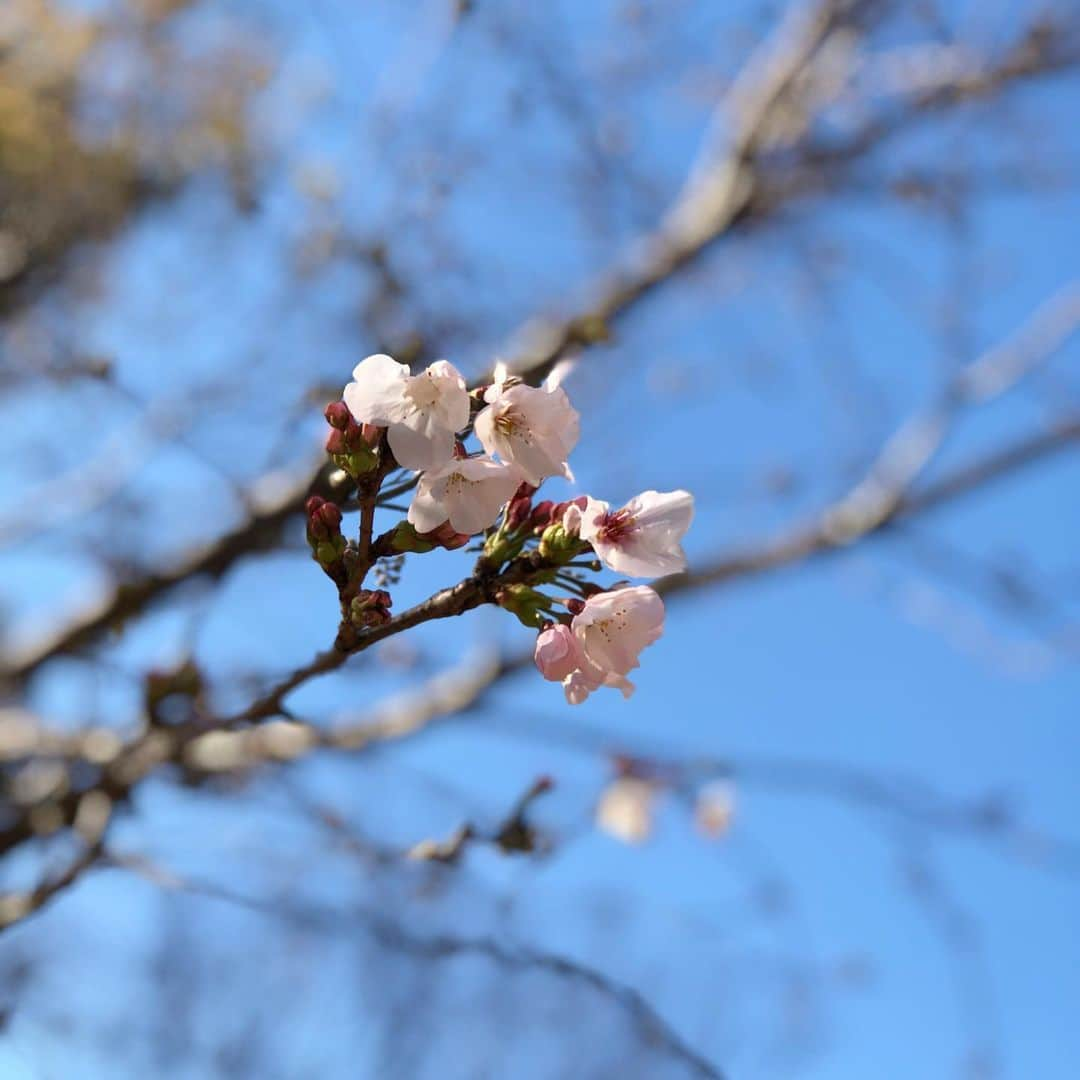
{"points": [[520, 507], [445, 536], [329, 514], [336, 442], [371, 433], [575, 606], [337, 415], [542, 514], [324, 518], [370, 608], [517, 513]]}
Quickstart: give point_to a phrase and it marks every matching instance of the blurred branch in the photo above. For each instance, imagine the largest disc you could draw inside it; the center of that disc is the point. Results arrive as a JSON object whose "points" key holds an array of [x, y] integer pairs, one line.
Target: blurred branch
{"points": [[654, 1030], [883, 495], [726, 189], [124, 766]]}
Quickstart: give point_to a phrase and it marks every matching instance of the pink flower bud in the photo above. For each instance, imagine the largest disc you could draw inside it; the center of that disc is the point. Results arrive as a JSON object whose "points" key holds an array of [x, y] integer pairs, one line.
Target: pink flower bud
{"points": [[371, 433], [556, 654], [337, 415]]}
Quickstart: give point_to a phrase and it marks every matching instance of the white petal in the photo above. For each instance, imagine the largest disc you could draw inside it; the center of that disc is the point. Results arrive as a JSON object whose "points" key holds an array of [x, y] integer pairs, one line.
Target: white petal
{"points": [[531, 459], [571, 519], [484, 428], [645, 563], [490, 486], [425, 511], [577, 687], [665, 514], [453, 395], [594, 510], [559, 373], [377, 393], [418, 446]]}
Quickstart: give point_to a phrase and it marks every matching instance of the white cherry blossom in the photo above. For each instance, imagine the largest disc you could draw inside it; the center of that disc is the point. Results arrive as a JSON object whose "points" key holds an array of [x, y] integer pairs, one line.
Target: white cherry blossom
{"points": [[642, 539], [530, 427], [468, 493], [422, 413]]}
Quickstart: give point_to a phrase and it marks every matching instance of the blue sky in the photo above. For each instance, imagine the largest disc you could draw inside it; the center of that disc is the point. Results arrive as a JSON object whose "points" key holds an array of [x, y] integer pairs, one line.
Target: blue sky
{"points": [[823, 936]]}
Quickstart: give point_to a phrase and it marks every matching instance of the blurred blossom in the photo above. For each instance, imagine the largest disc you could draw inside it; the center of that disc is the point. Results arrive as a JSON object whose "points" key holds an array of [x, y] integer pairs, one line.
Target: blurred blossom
{"points": [[625, 809], [714, 808]]}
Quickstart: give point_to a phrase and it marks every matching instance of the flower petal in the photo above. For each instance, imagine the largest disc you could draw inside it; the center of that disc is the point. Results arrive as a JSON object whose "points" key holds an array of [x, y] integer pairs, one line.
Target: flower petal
{"points": [[377, 393], [419, 445]]}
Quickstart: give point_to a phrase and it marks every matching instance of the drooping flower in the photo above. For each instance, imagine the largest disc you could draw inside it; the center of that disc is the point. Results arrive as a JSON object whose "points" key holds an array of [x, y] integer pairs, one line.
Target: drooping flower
{"points": [[643, 538], [421, 412], [608, 633], [530, 427], [467, 492]]}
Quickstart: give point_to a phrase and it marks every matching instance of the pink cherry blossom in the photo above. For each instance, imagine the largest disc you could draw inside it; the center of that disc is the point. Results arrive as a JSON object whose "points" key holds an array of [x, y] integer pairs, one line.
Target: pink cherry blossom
{"points": [[421, 412], [557, 655], [615, 626], [530, 427], [643, 538], [467, 492], [607, 636]]}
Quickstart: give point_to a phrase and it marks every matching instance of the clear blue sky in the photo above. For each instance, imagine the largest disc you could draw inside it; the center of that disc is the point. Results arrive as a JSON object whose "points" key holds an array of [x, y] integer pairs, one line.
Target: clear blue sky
{"points": [[824, 936]]}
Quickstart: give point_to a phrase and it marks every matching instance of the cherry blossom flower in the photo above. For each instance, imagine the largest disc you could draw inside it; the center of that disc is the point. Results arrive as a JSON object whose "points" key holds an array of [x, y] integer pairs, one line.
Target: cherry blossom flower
{"points": [[641, 539], [467, 492], [602, 644], [615, 626], [421, 412], [531, 427], [626, 808]]}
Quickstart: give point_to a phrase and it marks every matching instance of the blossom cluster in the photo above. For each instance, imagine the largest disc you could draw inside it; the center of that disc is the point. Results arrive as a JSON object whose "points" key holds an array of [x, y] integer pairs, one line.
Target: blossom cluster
{"points": [[589, 639]]}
